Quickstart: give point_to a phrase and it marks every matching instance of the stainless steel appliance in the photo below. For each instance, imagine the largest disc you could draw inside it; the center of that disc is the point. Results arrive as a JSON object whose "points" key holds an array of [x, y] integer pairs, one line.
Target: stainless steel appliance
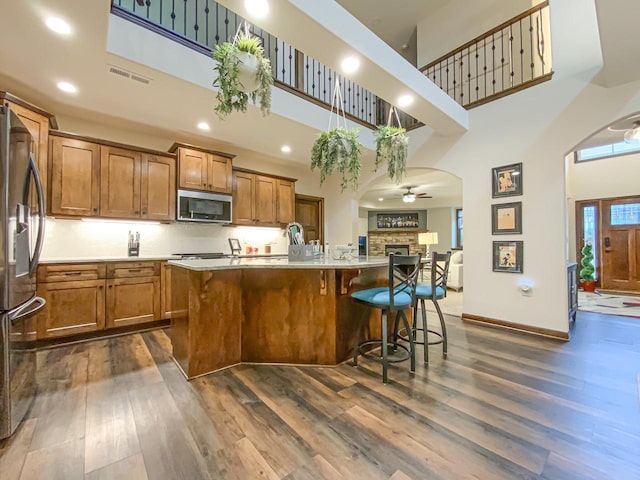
{"points": [[22, 214], [203, 207]]}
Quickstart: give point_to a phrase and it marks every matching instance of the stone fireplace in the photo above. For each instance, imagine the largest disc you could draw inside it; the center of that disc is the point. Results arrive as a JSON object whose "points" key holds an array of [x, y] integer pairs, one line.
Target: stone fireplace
{"points": [[379, 240]]}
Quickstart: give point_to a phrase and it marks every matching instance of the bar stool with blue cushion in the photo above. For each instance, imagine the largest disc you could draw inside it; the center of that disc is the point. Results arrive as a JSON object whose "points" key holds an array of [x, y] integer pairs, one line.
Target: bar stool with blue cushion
{"points": [[435, 290], [397, 296]]}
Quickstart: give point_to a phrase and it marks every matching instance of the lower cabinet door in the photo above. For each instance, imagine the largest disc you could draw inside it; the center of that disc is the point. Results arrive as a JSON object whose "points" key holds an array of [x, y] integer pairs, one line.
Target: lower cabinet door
{"points": [[132, 300], [72, 307]]}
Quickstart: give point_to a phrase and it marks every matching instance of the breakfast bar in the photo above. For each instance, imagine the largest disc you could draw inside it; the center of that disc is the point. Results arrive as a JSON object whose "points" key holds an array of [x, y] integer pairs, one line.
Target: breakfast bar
{"points": [[268, 310]]}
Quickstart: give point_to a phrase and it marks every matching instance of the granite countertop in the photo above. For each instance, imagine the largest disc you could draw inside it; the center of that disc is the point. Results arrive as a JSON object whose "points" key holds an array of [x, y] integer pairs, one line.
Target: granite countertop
{"points": [[280, 262]]}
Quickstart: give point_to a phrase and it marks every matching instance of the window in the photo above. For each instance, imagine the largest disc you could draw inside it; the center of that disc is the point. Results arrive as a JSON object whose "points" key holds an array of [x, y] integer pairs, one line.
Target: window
{"points": [[589, 222], [603, 151], [459, 234], [625, 214]]}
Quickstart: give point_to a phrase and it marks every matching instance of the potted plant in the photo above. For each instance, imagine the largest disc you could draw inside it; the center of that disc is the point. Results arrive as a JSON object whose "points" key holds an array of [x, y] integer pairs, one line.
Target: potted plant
{"points": [[392, 147], [338, 149], [587, 280], [242, 73]]}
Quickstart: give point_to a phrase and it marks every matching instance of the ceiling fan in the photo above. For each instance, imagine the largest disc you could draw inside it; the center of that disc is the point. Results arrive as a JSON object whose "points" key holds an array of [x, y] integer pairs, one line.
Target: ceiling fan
{"points": [[630, 127], [410, 197]]}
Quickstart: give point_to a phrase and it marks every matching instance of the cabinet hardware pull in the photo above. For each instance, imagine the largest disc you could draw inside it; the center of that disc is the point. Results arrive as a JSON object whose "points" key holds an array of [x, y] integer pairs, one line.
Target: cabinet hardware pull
{"points": [[133, 270], [101, 287], [95, 210], [144, 212], [73, 273]]}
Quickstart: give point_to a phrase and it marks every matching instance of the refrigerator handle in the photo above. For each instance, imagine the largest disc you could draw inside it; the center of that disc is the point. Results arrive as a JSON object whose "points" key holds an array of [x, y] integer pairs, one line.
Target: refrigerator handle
{"points": [[19, 312], [33, 263]]}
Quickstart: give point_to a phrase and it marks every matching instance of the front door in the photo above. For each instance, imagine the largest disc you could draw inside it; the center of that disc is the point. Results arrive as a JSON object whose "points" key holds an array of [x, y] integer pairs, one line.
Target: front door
{"points": [[620, 244]]}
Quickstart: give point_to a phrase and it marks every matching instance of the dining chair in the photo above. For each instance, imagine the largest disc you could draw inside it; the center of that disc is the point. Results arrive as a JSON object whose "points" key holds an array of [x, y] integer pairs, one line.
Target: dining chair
{"points": [[435, 290], [398, 296]]}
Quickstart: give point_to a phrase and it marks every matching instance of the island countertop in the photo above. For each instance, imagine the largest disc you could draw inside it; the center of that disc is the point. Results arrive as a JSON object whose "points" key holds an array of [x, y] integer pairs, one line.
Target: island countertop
{"points": [[280, 263]]}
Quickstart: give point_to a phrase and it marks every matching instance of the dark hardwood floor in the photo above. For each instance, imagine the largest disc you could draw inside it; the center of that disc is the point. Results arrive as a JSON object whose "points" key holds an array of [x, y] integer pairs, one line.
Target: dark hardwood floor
{"points": [[503, 405]]}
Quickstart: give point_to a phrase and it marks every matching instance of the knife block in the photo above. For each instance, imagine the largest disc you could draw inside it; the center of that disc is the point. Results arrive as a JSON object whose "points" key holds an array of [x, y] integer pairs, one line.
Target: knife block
{"points": [[134, 249]]}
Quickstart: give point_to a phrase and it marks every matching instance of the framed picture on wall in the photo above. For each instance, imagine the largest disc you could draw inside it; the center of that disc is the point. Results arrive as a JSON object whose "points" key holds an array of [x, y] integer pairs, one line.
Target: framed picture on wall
{"points": [[398, 220], [506, 180], [508, 256], [506, 218]]}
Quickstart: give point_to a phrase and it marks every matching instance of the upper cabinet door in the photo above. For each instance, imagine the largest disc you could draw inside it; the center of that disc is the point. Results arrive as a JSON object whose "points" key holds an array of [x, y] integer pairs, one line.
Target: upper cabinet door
{"points": [[220, 178], [243, 195], [266, 196], [158, 188], [194, 169], [38, 126], [120, 172], [286, 201], [75, 177]]}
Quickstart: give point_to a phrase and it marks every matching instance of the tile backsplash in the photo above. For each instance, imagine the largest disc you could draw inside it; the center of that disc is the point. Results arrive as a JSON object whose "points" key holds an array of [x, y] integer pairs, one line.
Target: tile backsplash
{"points": [[68, 239]]}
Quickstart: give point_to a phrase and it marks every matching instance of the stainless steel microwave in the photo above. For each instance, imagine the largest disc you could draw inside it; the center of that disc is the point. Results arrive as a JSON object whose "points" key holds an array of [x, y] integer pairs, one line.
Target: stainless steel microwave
{"points": [[203, 207]]}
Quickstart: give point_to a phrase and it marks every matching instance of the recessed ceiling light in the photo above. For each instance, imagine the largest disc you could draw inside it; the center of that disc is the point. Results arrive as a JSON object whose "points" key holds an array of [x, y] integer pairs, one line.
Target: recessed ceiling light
{"points": [[58, 25], [286, 149], [350, 64], [405, 100], [204, 126], [380, 199], [67, 87], [257, 8]]}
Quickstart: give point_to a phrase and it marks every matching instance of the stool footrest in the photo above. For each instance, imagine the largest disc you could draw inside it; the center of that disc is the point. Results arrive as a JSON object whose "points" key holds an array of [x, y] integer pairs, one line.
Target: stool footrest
{"points": [[396, 352], [403, 336]]}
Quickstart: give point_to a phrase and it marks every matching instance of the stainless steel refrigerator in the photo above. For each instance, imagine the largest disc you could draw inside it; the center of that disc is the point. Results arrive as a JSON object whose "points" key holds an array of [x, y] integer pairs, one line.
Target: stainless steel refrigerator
{"points": [[22, 218]]}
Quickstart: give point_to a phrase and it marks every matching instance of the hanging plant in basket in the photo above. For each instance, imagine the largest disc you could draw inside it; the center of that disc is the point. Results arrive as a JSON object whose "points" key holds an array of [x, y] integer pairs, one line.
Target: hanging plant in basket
{"points": [[392, 147], [243, 73], [338, 148]]}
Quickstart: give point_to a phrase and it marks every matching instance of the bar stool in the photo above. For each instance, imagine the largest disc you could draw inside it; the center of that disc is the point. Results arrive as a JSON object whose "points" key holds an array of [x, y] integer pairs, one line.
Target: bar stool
{"points": [[434, 291], [397, 296]]}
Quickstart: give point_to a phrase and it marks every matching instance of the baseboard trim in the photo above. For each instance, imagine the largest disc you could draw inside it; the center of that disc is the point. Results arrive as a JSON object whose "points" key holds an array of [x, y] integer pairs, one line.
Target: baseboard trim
{"points": [[545, 332]]}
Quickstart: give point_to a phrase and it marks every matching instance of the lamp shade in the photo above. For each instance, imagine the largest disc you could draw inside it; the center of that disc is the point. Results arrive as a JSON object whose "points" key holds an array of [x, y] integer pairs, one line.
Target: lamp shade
{"points": [[428, 238]]}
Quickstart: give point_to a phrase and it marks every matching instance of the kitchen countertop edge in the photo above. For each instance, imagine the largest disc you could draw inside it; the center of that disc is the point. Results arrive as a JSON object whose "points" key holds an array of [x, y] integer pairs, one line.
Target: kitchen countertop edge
{"points": [[279, 263]]}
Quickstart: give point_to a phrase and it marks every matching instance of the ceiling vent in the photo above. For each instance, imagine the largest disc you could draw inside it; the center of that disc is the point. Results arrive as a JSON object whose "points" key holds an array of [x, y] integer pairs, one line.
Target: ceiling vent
{"points": [[127, 74]]}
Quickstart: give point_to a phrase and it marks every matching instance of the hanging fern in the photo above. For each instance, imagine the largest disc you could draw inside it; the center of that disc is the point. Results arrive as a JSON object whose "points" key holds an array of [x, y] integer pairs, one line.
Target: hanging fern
{"points": [[392, 148], [338, 149], [230, 97]]}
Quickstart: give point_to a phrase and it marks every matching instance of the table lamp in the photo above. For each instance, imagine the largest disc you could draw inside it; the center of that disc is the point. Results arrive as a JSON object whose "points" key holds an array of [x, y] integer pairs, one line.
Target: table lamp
{"points": [[428, 238]]}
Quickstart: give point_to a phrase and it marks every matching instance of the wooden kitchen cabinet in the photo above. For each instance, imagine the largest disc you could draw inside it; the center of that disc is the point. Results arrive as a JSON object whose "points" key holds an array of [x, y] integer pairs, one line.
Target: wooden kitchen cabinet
{"points": [[204, 170], [286, 206], [166, 311], [262, 200], [106, 179], [158, 188], [137, 185], [120, 172], [75, 296], [133, 293], [87, 297], [74, 177], [37, 122]]}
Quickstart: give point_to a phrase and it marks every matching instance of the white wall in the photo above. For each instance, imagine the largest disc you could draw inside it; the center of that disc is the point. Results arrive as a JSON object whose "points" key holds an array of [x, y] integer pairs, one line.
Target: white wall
{"points": [[439, 220], [537, 127]]}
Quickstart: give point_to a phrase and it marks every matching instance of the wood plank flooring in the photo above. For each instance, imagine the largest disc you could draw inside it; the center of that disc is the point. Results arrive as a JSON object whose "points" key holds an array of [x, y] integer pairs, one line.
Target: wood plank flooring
{"points": [[503, 405]]}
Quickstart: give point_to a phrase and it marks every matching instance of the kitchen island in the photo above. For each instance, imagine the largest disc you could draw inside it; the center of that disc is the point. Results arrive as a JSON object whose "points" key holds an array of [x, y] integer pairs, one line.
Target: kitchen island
{"points": [[268, 310]]}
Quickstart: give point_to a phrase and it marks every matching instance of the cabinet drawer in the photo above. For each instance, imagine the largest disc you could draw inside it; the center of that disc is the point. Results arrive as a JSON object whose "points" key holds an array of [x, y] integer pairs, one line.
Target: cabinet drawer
{"points": [[70, 272], [71, 308], [133, 269]]}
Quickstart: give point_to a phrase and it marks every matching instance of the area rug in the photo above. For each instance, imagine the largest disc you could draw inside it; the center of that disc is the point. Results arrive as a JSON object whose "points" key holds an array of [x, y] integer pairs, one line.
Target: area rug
{"points": [[609, 304]]}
